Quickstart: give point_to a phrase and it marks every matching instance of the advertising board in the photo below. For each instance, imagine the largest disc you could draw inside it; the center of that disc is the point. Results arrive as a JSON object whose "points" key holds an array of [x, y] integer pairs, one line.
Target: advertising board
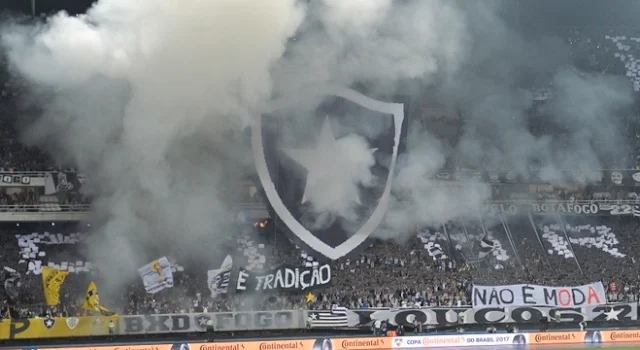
{"points": [[367, 343], [619, 336], [55, 327], [557, 338], [459, 340], [545, 338], [390, 343], [586, 337]]}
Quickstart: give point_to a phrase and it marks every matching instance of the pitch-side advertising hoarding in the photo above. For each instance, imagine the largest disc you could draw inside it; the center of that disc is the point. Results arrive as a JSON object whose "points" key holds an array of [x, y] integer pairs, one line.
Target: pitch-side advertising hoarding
{"points": [[389, 343]]}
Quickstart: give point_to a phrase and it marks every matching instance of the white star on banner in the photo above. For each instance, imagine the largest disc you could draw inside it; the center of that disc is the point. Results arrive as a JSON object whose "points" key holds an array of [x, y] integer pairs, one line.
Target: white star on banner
{"points": [[612, 314], [328, 163]]}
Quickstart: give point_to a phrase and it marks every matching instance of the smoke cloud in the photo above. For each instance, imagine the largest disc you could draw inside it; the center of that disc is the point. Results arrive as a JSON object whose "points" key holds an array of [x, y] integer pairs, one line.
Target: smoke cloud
{"points": [[151, 98]]}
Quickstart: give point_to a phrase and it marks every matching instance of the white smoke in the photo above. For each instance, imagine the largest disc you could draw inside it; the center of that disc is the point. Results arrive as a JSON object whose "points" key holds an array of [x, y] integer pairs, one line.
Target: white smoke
{"points": [[150, 97], [340, 14], [336, 170], [342, 42]]}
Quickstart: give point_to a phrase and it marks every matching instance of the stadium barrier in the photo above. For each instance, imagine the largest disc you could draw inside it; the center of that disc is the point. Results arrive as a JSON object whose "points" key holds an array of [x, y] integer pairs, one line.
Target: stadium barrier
{"points": [[390, 343], [56, 327]]}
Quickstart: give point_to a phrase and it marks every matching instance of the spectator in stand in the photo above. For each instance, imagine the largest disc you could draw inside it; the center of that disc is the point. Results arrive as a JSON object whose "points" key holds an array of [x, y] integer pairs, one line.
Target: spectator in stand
{"points": [[385, 275]]}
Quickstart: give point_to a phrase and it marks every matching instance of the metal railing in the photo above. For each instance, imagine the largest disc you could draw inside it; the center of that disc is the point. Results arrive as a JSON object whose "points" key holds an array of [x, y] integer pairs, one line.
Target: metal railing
{"points": [[249, 205], [582, 201], [46, 208], [258, 205], [26, 173], [54, 207], [252, 205]]}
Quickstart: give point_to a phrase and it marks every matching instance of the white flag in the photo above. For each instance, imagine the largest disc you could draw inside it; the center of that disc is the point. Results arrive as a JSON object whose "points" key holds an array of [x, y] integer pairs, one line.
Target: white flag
{"points": [[218, 279], [156, 275]]}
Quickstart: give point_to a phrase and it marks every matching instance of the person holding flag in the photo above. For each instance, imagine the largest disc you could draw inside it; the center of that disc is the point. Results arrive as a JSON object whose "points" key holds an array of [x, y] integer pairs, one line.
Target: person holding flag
{"points": [[52, 280], [92, 301]]}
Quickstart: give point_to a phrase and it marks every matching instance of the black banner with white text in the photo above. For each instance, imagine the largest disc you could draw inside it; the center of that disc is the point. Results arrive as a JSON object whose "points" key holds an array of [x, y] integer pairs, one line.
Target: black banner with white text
{"points": [[222, 321], [582, 208], [284, 278], [449, 316]]}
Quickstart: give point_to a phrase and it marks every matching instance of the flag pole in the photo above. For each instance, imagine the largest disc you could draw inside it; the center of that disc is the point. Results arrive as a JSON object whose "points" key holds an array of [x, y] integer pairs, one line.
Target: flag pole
{"points": [[535, 229], [566, 236]]}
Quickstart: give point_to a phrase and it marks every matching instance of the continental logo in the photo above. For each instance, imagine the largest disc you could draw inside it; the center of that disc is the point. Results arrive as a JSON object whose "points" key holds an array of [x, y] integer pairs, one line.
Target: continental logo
{"points": [[554, 337], [622, 335], [443, 340], [222, 346], [362, 343], [277, 345]]}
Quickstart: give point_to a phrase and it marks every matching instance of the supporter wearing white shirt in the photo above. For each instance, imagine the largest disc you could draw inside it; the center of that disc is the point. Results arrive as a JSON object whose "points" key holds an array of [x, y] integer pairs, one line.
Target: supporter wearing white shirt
{"points": [[377, 325]]}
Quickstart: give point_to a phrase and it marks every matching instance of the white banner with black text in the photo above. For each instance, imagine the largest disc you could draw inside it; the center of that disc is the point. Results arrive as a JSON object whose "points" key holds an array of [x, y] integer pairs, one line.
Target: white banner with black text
{"points": [[535, 295]]}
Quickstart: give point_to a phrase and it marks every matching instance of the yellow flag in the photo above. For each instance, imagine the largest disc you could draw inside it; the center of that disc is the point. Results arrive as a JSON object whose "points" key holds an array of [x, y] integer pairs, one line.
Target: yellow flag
{"points": [[92, 300], [52, 280]]}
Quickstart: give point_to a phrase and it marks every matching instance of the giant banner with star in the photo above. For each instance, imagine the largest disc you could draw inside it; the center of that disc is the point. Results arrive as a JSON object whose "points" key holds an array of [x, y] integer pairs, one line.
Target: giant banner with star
{"points": [[436, 317], [327, 173], [56, 327]]}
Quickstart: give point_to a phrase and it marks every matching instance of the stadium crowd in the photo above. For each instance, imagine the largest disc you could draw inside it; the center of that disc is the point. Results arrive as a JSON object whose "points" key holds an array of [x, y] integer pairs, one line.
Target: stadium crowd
{"points": [[387, 274]]}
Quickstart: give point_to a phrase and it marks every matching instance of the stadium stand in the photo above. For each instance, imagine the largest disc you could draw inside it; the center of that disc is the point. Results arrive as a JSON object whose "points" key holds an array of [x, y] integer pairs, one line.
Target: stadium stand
{"points": [[385, 275], [434, 266]]}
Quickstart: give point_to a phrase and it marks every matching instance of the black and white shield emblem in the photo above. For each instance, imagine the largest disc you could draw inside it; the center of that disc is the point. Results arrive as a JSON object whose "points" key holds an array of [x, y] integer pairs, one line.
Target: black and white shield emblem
{"points": [[49, 322], [327, 173], [201, 321]]}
